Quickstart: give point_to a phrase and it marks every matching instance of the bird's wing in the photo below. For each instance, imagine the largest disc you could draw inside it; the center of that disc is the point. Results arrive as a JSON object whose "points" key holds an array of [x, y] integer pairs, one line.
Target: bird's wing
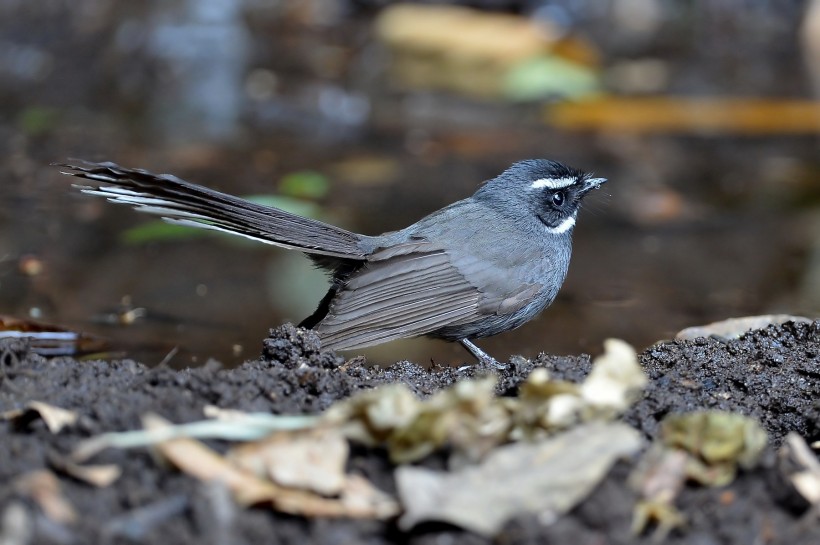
{"points": [[403, 291]]}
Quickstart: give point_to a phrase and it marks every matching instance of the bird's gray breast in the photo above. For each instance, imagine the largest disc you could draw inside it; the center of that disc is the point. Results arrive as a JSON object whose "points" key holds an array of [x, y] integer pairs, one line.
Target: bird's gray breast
{"points": [[513, 261]]}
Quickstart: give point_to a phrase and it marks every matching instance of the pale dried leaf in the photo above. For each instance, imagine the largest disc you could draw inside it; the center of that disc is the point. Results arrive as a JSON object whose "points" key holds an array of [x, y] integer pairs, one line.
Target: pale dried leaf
{"points": [[808, 484], [563, 410], [96, 475], [467, 416], [311, 460], [717, 442], [807, 479], [612, 385], [615, 379], [12, 414], [363, 500], [471, 419], [547, 477], [358, 499], [396, 410], [370, 417], [543, 403], [660, 475], [55, 418], [43, 487], [218, 413], [197, 460], [734, 328]]}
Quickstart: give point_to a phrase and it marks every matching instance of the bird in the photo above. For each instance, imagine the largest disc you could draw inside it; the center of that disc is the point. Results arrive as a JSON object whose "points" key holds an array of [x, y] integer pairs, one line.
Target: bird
{"points": [[481, 266]]}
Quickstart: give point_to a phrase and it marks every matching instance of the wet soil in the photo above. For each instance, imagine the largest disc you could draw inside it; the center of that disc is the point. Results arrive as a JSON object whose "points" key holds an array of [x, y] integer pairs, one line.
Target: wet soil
{"points": [[771, 374]]}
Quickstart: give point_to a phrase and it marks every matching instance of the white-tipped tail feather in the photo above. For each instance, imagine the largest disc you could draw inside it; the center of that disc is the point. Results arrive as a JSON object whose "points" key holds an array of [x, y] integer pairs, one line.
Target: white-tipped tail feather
{"points": [[182, 203]]}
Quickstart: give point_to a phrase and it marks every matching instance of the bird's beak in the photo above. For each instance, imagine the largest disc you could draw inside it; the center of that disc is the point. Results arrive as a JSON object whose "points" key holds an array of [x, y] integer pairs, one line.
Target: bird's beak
{"points": [[592, 183]]}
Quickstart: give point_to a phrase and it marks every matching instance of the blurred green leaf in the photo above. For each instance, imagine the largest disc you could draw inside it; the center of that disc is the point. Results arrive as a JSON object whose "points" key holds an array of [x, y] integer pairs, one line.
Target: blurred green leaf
{"points": [[158, 230], [545, 77], [304, 184], [36, 120]]}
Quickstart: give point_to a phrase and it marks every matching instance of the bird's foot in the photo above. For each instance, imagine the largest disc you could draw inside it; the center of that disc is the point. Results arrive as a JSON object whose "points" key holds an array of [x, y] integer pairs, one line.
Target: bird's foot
{"points": [[482, 357]]}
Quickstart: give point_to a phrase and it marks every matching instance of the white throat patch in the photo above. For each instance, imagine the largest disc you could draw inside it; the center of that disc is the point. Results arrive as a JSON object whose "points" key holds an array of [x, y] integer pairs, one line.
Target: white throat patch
{"points": [[552, 183], [563, 227]]}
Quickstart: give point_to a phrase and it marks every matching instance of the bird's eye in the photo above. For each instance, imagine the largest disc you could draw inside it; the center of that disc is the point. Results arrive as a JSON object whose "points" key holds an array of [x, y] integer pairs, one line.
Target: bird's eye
{"points": [[558, 198]]}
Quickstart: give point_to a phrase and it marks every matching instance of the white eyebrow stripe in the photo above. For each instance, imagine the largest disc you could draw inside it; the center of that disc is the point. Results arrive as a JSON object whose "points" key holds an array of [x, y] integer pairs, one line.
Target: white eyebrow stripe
{"points": [[552, 183], [563, 227]]}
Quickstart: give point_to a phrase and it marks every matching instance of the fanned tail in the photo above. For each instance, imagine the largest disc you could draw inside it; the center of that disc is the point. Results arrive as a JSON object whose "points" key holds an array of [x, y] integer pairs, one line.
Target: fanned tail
{"points": [[184, 203]]}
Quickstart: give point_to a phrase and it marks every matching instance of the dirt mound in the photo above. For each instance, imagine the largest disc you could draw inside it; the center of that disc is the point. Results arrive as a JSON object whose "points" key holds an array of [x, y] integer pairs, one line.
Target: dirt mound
{"points": [[772, 375]]}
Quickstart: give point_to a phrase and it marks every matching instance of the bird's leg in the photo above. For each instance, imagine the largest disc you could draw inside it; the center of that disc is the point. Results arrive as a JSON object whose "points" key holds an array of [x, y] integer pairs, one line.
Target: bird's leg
{"points": [[480, 355]]}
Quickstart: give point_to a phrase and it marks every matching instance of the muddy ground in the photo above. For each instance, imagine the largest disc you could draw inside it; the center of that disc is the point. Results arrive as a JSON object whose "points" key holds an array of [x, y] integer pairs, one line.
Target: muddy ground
{"points": [[772, 374]]}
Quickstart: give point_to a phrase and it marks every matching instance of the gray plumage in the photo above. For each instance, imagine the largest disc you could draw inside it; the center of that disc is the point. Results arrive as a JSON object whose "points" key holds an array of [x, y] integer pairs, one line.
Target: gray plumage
{"points": [[483, 265]]}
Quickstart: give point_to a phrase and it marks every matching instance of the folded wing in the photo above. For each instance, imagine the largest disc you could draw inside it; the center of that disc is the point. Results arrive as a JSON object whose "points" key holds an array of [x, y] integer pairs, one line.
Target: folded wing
{"points": [[404, 291]]}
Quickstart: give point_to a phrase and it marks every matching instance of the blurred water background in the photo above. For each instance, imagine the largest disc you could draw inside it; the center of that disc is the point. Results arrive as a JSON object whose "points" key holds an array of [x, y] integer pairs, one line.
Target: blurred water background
{"points": [[704, 115]]}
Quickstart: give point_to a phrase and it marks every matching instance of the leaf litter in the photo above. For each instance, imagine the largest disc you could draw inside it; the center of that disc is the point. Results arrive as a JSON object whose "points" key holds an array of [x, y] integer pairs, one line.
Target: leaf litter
{"points": [[661, 490], [556, 436], [707, 447], [539, 453], [55, 418], [802, 468], [547, 477]]}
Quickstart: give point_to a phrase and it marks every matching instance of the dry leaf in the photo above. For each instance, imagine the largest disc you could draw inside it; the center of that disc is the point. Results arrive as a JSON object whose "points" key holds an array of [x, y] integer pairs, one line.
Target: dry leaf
{"points": [[471, 419], [467, 416], [55, 418], [734, 328], [545, 404], [807, 477], [43, 487], [363, 500], [227, 415], [311, 459], [371, 416], [197, 460], [658, 478], [358, 499], [547, 477], [12, 414], [717, 442], [96, 475], [614, 381], [660, 475]]}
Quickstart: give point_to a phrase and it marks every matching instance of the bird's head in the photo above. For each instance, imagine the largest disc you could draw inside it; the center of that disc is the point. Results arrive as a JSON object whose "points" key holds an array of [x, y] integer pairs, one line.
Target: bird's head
{"points": [[548, 190]]}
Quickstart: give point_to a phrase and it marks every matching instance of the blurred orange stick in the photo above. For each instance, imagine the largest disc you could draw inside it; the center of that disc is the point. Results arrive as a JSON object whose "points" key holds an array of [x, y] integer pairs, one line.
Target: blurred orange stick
{"points": [[688, 115]]}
